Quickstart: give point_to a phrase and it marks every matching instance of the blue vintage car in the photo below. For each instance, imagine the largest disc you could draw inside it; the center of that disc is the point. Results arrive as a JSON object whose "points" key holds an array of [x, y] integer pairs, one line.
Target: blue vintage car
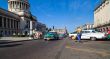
{"points": [[51, 35]]}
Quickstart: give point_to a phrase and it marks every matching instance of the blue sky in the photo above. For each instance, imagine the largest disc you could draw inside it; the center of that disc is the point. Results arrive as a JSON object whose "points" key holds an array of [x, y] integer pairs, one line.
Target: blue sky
{"points": [[61, 13]]}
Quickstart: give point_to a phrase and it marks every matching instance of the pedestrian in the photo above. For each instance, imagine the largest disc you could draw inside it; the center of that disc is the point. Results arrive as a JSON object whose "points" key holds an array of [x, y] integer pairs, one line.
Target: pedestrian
{"points": [[79, 30]]}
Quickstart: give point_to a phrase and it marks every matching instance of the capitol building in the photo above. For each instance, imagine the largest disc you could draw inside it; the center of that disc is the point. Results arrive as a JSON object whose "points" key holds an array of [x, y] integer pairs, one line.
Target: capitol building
{"points": [[17, 19]]}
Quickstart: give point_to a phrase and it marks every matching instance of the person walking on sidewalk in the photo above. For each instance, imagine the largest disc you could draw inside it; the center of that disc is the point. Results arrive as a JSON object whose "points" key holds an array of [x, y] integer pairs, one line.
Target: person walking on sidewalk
{"points": [[79, 33]]}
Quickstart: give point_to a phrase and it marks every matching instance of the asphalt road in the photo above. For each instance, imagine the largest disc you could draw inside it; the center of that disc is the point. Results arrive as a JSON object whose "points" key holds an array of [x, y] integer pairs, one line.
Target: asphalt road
{"points": [[57, 49]]}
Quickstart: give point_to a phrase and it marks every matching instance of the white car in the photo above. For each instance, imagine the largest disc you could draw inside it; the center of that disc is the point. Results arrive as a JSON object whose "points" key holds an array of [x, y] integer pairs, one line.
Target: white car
{"points": [[90, 34]]}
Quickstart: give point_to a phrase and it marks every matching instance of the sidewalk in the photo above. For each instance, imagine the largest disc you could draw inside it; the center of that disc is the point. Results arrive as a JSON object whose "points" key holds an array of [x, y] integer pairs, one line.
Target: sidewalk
{"points": [[4, 40]]}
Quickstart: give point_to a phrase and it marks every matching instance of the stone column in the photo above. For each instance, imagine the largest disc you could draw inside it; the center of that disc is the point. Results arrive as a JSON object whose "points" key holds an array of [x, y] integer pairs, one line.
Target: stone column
{"points": [[18, 5], [12, 4], [21, 5]]}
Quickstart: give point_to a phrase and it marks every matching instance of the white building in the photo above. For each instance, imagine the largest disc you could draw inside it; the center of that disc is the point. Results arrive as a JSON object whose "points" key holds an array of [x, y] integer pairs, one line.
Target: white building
{"points": [[22, 8], [87, 26], [17, 19], [9, 23], [102, 16], [60, 30]]}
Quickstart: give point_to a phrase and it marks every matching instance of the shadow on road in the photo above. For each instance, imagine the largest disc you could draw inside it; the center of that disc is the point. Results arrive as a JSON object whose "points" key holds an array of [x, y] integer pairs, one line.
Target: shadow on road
{"points": [[103, 40], [9, 41], [55, 39], [9, 45]]}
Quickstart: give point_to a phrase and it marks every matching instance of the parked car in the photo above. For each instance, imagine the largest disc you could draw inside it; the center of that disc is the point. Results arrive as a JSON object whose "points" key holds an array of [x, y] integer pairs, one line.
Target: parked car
{"points": [[51, 35], [90, 34], [73, 35], [61, 36]]}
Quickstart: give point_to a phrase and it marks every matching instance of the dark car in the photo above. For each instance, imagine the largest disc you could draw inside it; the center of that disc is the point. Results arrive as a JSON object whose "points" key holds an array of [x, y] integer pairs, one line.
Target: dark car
{"points": [[61, 36]]}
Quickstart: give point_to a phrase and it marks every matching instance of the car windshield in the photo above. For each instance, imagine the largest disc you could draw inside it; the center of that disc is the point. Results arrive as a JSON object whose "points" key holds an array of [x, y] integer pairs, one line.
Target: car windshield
{"points": [[51, 33], [73, 32]]}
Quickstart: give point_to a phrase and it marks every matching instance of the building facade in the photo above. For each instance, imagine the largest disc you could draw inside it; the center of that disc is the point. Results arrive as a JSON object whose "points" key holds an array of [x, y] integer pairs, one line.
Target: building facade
{"points": [[9, 23], [102, 16], [87, 26], [60, 30], [17, 19], [22, 8], [40, 27]]}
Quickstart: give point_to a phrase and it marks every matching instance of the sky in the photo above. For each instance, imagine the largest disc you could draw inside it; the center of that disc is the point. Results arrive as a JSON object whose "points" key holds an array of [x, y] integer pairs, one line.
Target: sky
{"points": [[61, 13]]}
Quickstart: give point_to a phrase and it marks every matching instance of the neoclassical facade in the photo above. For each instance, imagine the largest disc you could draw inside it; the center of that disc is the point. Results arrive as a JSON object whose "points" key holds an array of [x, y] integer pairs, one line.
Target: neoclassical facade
{"points": [[9, 23], [17, 19], [22, 8], [102, 16]]}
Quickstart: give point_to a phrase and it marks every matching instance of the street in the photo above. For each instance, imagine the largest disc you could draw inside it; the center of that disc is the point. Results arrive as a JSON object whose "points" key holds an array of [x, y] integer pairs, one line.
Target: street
{"points": [[55, 49]]}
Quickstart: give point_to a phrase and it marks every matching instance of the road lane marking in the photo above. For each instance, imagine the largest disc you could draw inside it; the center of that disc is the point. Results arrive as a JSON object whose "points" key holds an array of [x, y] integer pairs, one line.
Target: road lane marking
{"points": [[90, 50]]}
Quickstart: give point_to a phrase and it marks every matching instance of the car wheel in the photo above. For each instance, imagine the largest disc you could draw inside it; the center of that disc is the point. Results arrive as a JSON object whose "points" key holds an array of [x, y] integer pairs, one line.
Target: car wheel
{"points": [[93, 38], [57, 38]]}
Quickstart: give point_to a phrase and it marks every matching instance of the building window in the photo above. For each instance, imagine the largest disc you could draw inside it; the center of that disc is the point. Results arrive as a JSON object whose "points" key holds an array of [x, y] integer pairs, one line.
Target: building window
{"points": [[0, 21], [17, 24], [8, 23], [5, 32], [9, 32], [14, 23], [11, 23], [107, 2]]}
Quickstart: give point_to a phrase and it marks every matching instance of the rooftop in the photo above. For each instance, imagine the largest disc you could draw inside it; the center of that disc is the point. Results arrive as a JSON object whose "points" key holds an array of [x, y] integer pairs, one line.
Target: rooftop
{"points": [[99, 4]]}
